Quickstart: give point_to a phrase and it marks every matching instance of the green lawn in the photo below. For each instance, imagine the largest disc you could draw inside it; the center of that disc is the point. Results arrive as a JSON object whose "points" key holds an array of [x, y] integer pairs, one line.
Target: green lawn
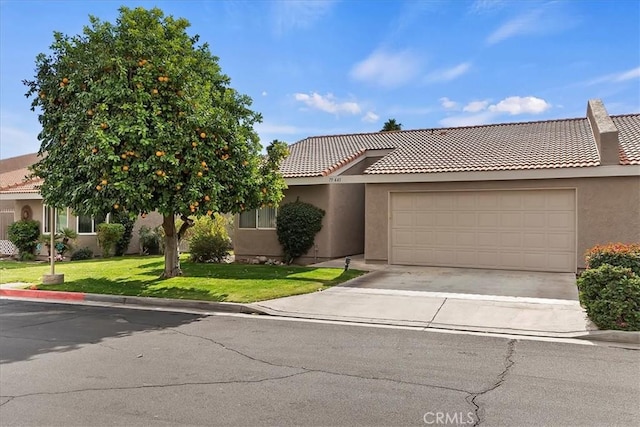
{"points": [[139, 276]]}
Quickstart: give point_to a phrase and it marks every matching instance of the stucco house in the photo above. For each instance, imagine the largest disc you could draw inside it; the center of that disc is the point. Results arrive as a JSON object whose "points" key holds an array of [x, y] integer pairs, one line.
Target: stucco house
{"points": [[516, 196], [21, 199]]}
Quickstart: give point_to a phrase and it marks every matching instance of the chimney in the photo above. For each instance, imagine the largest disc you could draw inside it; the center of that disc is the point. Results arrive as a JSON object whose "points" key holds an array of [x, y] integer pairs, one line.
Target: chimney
{"points": [[604, 132]]}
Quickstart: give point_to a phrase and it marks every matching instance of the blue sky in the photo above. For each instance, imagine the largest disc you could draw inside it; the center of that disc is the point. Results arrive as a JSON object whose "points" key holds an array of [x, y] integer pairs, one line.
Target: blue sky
{"points": [[328, 67]]}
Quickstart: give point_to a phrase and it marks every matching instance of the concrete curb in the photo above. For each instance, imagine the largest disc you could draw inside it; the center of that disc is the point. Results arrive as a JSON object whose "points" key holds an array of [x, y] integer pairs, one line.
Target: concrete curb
{"points": [[15, 291], [627, 337], [221, 307]]}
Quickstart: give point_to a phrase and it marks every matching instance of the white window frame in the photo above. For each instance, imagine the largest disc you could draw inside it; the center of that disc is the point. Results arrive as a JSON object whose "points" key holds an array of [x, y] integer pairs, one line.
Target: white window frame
{"points": [[46, 218], [257, 227], [94, 226]]}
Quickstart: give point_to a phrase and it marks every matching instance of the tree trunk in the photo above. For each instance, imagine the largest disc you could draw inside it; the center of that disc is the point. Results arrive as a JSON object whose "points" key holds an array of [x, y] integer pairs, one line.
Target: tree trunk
{"points": [[171, 259]]}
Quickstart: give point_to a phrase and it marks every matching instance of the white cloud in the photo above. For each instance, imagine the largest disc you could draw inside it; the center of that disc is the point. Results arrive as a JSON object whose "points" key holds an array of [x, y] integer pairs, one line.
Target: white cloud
{"points": [[264, 93], [550, 17], [327, 103], [448, 104], [523, 24], [291, 14], [475, 106], [387, 69], [619, 77], [370, 117], [481, 6], [521, 105], [472, 120], [448, 74], [483, 113]]}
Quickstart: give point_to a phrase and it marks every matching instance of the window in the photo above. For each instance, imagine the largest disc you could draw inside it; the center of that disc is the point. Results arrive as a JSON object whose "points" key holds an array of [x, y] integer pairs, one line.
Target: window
{"points": [[61, 219], [259, 218], [89, 224]]}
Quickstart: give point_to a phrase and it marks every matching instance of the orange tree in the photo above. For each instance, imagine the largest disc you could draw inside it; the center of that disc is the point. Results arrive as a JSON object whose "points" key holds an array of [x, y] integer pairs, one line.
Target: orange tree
{"points": [[137, 116]]}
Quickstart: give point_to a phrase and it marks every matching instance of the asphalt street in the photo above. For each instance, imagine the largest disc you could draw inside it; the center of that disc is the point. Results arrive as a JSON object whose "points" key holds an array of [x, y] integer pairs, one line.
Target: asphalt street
{"points": [[81, 365]]}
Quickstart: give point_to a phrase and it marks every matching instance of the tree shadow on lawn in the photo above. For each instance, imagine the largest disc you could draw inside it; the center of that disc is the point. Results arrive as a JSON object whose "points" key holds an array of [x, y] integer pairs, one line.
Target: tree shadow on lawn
{"points": [[264, 272], [29, 329], [17, 265], [139, 288]]}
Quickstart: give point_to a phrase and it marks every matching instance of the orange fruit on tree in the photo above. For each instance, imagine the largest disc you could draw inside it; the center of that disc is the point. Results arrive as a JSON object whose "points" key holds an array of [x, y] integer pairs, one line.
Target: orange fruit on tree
{"points": [[65, 80], [43, 95], [104, 125], [103, 182], [62, 84], [194, 144], [207, 198], [125, 168], [154, 91], [116, 206], [203, 135], [94, 150], [159, 172], [98, 187], [199, 173], [209, 213], [124, 156], [204, 164], [159, 153], [90, 112]]}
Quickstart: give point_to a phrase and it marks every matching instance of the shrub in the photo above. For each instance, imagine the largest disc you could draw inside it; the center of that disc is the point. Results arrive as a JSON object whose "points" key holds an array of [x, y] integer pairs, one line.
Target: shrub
{"points": [[81, 254], [209, 240], [108, 236], [24, 235], [611, 297], [124, 218], [618, 254], [150, 240], [297, 225]]}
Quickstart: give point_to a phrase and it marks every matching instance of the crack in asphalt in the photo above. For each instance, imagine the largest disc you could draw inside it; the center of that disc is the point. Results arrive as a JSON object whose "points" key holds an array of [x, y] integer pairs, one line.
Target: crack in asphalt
{"points": [[500, 379], [9, 399], [140, 387], [321, 371]]}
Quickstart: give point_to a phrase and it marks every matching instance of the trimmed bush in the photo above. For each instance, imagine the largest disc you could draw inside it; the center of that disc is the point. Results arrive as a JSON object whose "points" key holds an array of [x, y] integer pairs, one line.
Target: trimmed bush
{"points": [[297, 225], [618, 254], [208, 239], [108, 236], [82, 254], [611, 297], [150, 240], [124, 218], [24, 235]]}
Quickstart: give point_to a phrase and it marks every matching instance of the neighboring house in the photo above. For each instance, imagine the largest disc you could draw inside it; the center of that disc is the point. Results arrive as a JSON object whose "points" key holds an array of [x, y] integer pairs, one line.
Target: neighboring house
{"points": [[516, 196], [20, 199]]}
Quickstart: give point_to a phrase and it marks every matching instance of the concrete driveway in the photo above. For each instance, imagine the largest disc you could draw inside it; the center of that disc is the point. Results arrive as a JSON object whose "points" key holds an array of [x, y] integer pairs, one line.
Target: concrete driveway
{"points": [[524, 284], [512, 302]]}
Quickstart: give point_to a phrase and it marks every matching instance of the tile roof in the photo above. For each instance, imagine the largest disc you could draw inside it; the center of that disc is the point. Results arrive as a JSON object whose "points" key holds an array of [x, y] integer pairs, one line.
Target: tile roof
{"points": [[629, 136], [16, 181], [510, 146]]}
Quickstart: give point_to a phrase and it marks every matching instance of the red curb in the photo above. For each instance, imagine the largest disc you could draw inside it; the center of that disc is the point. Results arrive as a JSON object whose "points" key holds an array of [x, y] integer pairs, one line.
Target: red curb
{"points": [[29, 293]]}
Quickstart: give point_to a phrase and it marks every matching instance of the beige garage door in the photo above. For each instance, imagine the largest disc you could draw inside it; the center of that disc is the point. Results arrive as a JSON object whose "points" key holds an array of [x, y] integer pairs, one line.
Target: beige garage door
{"points": [[513, 230]]}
